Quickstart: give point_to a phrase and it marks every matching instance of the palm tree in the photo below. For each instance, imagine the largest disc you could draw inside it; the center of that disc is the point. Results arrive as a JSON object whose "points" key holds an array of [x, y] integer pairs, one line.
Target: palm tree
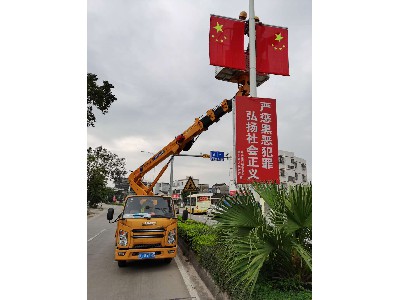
{"points": [[279, 240]]}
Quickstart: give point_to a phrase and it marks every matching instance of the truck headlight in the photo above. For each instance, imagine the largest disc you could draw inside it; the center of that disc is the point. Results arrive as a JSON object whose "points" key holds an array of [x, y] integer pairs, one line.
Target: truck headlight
{"points": [[171, 236], [123, 238]]}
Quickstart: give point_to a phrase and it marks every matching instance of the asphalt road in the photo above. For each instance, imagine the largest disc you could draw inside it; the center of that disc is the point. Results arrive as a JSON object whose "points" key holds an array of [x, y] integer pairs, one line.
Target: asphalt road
{"points": [[142, 280]]}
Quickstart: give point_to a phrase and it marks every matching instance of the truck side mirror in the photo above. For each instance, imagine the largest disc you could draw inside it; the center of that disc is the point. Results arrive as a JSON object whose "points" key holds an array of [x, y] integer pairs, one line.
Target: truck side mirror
{"points": [[110, 214], [185, 215]]}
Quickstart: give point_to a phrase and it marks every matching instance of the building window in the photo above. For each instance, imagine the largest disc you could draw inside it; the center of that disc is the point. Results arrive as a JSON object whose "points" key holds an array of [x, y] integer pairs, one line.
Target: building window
{"points": [[296, 176], [303, 166], [304, 178], [281, 159], [291, 178], [282, 172]]}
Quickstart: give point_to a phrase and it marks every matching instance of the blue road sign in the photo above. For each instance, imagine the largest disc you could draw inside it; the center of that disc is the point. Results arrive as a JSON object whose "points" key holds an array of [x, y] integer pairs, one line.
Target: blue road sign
{"points": [[216, 155]]}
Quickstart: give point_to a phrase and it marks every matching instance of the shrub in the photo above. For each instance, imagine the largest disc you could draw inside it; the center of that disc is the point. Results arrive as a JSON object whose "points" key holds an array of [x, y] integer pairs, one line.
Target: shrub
{"points": [[267, 290], [197, 235]]}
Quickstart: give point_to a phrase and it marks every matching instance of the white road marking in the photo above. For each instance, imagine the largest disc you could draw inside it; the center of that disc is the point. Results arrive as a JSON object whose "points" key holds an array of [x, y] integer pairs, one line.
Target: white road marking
{"points": [[188, 282], [96, 235]]}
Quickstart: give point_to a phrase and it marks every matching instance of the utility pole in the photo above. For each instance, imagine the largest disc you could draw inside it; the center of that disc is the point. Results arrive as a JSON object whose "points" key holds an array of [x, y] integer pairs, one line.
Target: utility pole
{"points": [[252, 50], [252, 79]]}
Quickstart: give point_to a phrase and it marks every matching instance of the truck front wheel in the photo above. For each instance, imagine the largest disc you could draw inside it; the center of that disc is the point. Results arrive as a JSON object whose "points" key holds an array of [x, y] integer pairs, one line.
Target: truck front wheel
{"points": [[122, 263]]}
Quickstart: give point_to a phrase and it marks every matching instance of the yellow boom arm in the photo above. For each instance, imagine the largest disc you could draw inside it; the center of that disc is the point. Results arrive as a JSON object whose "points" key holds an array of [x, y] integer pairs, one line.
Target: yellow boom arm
{"points": [[182, 142]]}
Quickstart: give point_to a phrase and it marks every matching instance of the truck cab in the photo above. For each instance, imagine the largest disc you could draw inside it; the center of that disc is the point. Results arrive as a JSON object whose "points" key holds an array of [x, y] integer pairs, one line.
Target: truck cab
{"points": [[146, 229]]}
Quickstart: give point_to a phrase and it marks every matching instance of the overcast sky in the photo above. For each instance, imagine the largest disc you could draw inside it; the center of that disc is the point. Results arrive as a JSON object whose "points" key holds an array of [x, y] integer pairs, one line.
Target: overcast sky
{"points": [[155, 53]]}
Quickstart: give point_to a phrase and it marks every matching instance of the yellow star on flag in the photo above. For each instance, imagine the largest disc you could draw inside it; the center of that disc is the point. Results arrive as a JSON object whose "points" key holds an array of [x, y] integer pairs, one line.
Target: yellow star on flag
{"points": [[219, 36], [278, 37], [218, 27]]}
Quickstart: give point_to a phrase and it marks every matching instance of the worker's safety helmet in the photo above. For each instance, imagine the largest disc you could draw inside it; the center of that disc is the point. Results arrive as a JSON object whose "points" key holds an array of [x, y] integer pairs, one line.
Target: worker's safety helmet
{"points": [[257, 19], [243, 15]]}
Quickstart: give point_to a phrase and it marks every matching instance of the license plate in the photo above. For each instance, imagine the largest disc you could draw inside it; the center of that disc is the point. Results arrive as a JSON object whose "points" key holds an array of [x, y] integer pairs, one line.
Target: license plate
{"points": [[147, 255]]}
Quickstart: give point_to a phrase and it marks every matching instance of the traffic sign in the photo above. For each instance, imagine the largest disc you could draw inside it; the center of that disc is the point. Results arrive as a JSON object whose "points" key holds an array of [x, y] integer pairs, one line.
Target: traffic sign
{"points": [[216, 155], [190, 186]]}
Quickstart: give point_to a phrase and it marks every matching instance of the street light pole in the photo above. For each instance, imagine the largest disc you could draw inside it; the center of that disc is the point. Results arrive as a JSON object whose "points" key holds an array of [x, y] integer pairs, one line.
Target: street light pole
{"points": [[154, 170]]}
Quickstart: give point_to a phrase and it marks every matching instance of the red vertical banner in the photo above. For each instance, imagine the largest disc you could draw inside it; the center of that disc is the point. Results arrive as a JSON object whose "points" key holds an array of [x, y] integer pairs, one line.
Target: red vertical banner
{"points": [[256, 140], [226, 43], [272, 47]]}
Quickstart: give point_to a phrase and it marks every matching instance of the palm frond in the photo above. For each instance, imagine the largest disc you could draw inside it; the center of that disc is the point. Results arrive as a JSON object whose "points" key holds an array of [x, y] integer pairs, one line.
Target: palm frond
{"points": [[254, 240], [273, 194], [251, 254], [299, 210], [241, 213], [290, 207], [276, 197], [304, 254], [253, 251]]}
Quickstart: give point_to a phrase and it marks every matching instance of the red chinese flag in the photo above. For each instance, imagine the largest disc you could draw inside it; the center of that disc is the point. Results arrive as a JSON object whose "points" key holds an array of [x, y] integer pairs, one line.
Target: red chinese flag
{"points": [[272, 50], [256, 140], [226, 43]]}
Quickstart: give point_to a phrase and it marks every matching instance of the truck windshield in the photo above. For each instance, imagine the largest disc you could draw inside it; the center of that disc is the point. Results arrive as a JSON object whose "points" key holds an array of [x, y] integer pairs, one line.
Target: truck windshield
{"points": [[147, 206]]}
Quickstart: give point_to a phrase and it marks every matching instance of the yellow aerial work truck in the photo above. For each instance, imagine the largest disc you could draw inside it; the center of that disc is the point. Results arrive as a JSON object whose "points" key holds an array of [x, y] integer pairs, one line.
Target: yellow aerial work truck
{"points": [[146, 229], [147, 226]]}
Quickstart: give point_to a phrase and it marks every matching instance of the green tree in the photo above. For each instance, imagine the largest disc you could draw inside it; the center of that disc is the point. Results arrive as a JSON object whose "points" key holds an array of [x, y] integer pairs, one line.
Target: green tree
{"points": [[109, 194], [279, 243], [96, 188], [99, 96], [102, 166]]}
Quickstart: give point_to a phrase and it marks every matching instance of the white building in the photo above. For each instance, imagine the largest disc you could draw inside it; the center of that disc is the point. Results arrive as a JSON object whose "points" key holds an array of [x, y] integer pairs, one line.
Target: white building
{"points": [[161, 188], [292, 169]]}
